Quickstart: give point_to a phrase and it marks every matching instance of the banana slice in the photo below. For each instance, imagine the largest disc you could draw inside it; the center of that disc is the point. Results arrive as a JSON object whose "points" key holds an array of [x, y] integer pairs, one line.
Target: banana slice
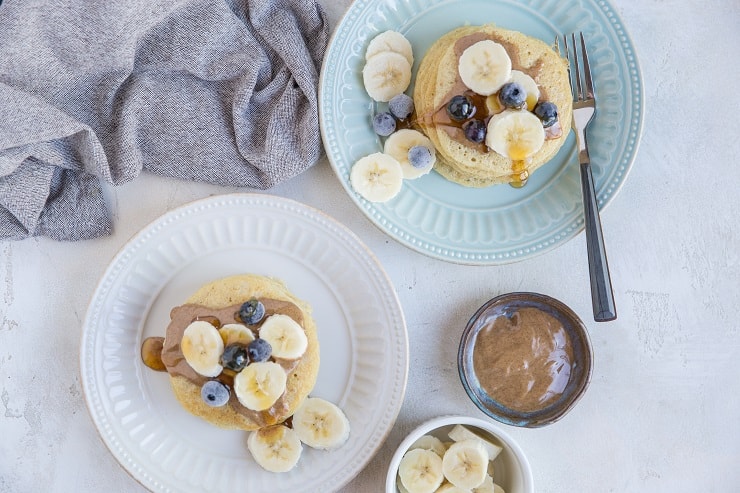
{"points": [[275, 448], [529, 85], [486, 487], [451, 488], [285, 335], [465, 464], [459, 433], [259, 385], [497, 488], [484, 67], [515, 134], [320, 424], [430, 442], [493, 104], [398, 145], [385, 75], [390, 41], [400, 486], [421, 471], [202, 347], [377, 177], [236, 333]]}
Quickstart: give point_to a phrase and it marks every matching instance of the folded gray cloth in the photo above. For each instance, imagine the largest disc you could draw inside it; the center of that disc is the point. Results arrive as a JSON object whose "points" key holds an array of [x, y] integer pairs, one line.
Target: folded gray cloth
{"points": [[220, 91]]}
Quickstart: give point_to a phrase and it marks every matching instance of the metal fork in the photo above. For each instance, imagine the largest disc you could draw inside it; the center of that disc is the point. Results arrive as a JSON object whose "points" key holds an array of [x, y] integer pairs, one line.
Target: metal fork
{"points": [[584, 109]]}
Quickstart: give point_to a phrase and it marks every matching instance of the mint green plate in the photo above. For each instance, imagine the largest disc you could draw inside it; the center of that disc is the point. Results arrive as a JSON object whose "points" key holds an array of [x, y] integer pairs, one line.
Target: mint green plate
{"points": [[498, 224]]}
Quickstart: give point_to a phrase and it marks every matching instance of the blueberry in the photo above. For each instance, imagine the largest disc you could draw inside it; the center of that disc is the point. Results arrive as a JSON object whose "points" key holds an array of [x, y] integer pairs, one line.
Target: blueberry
{"points": [[420, 157], [513, 95], [252, 312], [460, 108], [259, 350], [384, 124], [214, 393], [547, 112], [235, 357], [401, 106], [475, 131]]}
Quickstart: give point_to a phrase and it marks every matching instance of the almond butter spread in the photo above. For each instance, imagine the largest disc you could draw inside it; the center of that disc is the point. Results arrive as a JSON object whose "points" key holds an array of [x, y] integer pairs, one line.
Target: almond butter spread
{"points": [[523, 361], [483, 111], [174, 361]]}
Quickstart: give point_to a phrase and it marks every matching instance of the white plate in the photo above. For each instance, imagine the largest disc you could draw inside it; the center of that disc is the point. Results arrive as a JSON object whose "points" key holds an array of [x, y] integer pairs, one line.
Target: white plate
{"points": [[362, 334]]}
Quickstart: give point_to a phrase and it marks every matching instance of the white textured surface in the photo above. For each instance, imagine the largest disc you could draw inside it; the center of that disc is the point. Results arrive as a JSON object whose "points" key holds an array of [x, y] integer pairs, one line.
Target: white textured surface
{"points": [[661, 412]]}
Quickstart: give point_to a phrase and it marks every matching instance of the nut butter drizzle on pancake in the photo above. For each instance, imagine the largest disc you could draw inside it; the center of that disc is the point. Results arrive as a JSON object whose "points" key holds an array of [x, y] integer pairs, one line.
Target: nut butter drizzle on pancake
{"points": [[176, 365], [439, 116], [454, 128]]}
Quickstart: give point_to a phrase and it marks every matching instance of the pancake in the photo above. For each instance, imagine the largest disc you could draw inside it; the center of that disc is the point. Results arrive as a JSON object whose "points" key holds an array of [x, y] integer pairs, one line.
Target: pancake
{"points": [[438, 80], [219, 297]]}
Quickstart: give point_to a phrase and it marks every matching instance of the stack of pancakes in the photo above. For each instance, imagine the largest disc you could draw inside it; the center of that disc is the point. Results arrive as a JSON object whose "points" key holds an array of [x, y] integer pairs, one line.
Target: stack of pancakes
{"points": [[232, 291], [438, 80]]}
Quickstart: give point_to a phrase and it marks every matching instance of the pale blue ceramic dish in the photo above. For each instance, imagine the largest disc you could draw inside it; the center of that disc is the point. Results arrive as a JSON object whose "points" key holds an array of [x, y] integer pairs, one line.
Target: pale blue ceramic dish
{"points": [[498, 224]]}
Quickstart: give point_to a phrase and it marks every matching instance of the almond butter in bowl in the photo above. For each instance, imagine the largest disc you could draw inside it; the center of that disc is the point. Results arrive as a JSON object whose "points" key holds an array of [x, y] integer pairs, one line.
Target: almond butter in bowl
{"points": [[525, 359], [243, 353]]}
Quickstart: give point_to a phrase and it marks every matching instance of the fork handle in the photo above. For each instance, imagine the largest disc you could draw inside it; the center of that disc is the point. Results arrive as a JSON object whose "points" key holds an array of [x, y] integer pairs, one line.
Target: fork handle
{"points": [[602, 296]]}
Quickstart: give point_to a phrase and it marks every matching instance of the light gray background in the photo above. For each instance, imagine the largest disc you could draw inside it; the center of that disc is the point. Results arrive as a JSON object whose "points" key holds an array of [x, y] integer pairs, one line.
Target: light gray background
{"points": [[661, 414]]}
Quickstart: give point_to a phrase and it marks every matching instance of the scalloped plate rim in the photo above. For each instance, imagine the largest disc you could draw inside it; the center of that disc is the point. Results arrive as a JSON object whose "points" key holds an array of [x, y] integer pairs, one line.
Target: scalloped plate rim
{"points": [[91, 377], [565, 232]]}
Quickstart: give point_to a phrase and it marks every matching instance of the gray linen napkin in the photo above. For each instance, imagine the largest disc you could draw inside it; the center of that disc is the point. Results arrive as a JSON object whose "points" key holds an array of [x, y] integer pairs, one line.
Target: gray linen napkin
{"points": [[220, 91]]}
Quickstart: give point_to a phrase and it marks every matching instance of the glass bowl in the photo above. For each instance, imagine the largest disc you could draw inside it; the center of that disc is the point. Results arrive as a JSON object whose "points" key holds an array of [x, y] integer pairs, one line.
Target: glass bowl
{"points": [[525, 359]]}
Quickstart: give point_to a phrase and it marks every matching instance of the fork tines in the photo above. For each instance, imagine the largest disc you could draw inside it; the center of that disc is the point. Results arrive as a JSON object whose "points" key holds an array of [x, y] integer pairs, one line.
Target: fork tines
{"points": [[576, 82]]}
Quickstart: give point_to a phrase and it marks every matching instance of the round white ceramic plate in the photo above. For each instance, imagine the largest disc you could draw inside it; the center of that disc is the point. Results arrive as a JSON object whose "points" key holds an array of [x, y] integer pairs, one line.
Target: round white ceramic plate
{"points": [[362, 334], [498, 224]]}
